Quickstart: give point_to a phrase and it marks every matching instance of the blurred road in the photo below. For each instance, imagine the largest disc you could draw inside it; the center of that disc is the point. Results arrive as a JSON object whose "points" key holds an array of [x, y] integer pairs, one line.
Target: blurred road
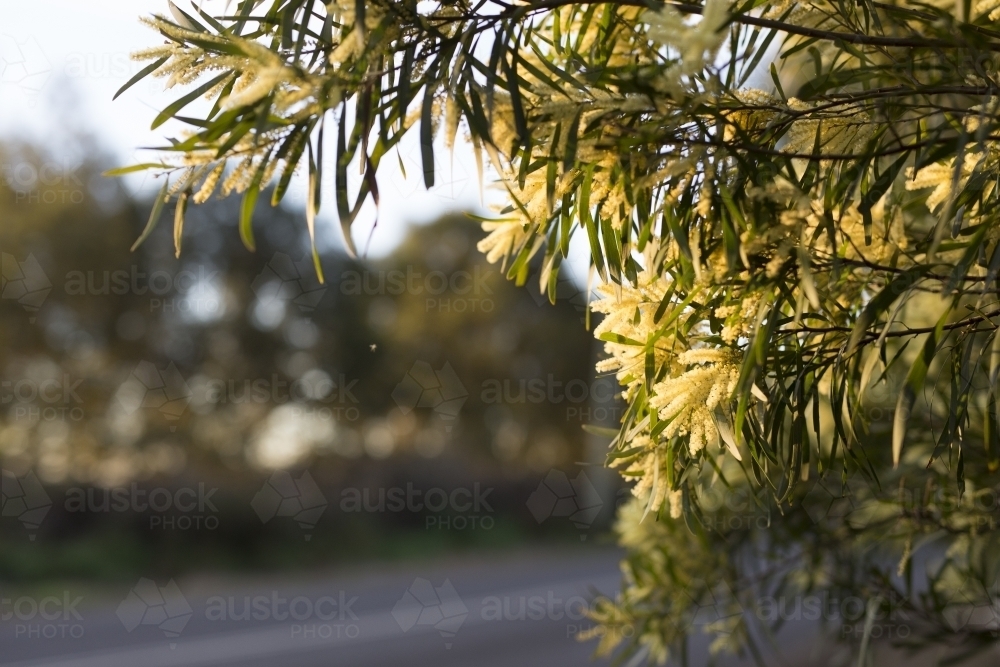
{"points": [[522, 609], [517, 609]]}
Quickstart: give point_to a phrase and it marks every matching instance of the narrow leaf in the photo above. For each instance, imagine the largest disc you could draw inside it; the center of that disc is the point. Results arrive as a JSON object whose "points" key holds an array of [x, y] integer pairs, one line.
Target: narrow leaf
{"points": [[169, 112], [142, 74], [154, 215]]}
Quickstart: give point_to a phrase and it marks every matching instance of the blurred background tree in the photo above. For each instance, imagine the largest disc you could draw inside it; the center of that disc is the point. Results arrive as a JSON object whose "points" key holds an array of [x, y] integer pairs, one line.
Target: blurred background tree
{"points": [[263, 368]]}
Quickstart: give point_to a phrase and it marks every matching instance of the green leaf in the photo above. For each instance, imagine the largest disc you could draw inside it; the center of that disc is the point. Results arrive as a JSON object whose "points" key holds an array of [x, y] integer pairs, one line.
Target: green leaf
{"points": [[612, 248], [154, 215], [602, 431], [248, 205], [403, 94], [291, 151], [179, 210], [572, 139], [913, 385], [612, 337], [343, 159], [583, 206], [876, 191], [901, 283], [517, 106], [184, 19], [312, 208], [142, 74], [131, 169], [427, 137], [169, 112], [359, 22]]}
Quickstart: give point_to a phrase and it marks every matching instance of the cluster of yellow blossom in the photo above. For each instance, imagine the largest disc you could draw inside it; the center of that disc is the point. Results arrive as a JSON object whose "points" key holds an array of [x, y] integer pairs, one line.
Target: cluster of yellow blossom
{"points": [[989, 7], [255, 72], [805, 224], [505, 236], [629, 311], [761, 108], [739, 318], [946, 179], [696, 44], [690, 400], [652, 481], [840, 131], [647, 469]]}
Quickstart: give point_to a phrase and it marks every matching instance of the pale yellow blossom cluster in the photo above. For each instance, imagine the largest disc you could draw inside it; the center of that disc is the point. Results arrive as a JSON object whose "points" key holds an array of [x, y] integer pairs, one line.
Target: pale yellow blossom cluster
{"points": [[946, 179], [505, 236], [629, 312], [739, 318], [652, 480], [255, 72], [696, 392], [844, 131], [536, 203], [811, 13], [759, 111], [209, 184], [804, 223], [689, 400], [980, 7], [696, 43]]}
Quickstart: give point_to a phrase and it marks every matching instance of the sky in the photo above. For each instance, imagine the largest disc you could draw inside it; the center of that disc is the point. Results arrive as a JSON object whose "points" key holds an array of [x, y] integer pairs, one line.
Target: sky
{"points": [[61, 62]]}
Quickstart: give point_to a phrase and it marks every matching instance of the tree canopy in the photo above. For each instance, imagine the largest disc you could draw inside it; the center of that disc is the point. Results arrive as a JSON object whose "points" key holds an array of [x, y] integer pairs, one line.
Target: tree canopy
{"points": [[791, 214]]}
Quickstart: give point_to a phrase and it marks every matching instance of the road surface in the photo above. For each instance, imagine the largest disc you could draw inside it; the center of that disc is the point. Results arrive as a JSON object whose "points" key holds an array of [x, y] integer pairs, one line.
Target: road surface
{"points": [[520, 609], [516, 609]]}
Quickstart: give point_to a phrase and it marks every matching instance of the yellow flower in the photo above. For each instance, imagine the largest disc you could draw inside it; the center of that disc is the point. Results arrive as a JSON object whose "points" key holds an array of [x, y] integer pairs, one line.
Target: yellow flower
{"points": [[689, 400]]}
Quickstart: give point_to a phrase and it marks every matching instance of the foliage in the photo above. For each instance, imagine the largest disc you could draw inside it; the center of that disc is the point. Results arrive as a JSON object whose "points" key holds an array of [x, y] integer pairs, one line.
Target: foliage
{"points": [[769, 256]]}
